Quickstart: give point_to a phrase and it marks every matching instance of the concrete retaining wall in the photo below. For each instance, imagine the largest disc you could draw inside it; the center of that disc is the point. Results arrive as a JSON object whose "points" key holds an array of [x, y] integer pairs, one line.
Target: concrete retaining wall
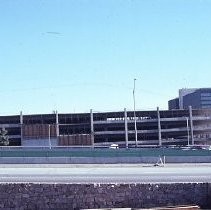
{"points": [[104, 160], [80, 196]]}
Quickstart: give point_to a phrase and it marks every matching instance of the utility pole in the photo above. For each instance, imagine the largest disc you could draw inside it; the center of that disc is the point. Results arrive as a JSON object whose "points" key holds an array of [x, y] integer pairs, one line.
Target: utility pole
{"points": [[134, 106]]}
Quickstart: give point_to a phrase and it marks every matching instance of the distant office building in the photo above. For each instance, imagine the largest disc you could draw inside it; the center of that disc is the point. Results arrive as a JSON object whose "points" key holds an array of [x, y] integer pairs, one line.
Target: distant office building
{"points": [[173, 104], [197, 98], [183, 93]]}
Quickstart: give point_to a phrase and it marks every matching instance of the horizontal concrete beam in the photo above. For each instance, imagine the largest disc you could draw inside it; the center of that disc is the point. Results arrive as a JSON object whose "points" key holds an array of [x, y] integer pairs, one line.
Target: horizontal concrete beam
{"points": [[14, 136], [173, 119], [10, 125]]}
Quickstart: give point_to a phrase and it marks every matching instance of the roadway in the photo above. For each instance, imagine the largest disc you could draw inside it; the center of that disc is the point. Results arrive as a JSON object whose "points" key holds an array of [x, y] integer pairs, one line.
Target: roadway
{"points": [[105, 174]]}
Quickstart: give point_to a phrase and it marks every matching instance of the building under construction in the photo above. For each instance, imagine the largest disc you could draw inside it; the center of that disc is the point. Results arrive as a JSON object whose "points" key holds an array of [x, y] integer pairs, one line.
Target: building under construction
{"points": [[125, 128]]}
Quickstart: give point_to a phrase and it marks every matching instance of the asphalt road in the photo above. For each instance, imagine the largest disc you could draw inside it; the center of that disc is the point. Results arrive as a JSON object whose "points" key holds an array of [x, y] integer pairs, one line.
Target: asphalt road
{"points": [[105, 173]]}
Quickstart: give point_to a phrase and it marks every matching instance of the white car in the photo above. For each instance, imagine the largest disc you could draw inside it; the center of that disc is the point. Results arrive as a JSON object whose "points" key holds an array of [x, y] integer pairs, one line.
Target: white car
{"points": [[114, 146]]}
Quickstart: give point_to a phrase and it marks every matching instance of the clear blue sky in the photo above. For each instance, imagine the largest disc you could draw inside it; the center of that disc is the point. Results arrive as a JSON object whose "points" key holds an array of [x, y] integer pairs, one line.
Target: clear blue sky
{"points": [[74, 55]]}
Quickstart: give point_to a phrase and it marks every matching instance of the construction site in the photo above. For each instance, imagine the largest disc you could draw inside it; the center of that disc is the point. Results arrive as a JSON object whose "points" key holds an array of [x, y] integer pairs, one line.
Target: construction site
{"points": [[125, 128]]}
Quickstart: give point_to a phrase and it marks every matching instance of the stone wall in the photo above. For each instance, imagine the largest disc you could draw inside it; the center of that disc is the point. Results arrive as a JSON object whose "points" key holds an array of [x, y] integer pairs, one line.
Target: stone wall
{"points": [[79, 196]]}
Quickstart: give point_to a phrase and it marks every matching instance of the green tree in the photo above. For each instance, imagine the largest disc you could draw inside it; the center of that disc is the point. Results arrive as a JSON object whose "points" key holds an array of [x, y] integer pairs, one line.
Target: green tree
{"points": [[4, 139]]}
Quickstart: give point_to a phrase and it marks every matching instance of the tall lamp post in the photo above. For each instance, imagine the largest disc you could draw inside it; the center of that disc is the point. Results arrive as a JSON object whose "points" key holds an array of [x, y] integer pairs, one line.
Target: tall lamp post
{"points": [[134, 106]]}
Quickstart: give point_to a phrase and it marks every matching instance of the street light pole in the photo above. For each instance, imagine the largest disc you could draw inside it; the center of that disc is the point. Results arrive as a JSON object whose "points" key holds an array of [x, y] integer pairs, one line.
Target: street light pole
{"points": [[134, 106], [187, 125]]}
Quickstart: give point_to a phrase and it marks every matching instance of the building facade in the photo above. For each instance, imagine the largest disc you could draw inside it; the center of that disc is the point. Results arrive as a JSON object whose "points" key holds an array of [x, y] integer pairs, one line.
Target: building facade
{"points": [[196, 98], [158, 127], [173, 104]]}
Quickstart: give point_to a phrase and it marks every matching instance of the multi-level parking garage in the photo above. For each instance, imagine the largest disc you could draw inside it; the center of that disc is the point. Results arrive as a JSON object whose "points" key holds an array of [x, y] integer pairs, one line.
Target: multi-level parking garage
{"points": [[156, 127], [153, 127]]}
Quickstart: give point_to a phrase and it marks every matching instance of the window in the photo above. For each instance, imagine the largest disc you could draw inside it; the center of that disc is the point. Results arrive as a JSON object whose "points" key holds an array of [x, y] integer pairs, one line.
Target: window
{"points": [[206, 106], [206, 98], [206, 102], [205, 94]]}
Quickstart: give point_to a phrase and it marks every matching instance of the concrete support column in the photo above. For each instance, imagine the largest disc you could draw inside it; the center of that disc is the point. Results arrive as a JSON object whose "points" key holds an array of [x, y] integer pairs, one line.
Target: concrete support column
{"points": [[126, 129], [92, 127], [57, 124], [21, 123], [49, 136], [159, 128], [191, 124]]}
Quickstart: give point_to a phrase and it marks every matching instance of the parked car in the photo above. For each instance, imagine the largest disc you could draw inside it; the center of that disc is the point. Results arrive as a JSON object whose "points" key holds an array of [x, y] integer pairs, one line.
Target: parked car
{"points": [[114, 146]]}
